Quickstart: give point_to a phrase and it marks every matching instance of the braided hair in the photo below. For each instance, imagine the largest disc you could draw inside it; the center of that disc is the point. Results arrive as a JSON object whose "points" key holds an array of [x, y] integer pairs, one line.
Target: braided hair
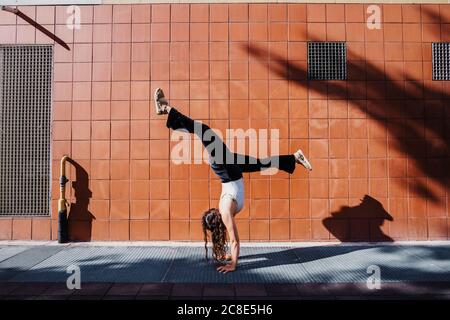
{"points": [[212, 221]]}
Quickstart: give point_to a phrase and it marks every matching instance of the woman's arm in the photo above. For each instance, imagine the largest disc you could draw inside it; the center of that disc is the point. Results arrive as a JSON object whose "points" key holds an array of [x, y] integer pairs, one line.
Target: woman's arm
{"points": [[227, 207]]}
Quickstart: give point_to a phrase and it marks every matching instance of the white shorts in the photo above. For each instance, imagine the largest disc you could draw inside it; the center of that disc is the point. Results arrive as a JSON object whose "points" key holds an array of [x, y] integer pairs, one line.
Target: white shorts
{"points": [[234, 190]]}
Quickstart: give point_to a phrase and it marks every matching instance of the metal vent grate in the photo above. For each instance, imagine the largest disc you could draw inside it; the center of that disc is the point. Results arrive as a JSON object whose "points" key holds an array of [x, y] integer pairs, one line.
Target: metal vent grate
{"points": [[441, 60], [25, 128], [327, 61]]}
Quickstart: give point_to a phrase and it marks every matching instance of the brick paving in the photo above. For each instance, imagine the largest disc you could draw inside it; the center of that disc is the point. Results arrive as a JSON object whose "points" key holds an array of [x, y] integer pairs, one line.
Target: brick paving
{"points": [[167, 291]]}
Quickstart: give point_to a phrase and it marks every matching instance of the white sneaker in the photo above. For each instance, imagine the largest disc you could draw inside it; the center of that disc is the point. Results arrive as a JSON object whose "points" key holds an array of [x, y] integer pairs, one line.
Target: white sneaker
{"points": [[301, 159], [160, 102]]}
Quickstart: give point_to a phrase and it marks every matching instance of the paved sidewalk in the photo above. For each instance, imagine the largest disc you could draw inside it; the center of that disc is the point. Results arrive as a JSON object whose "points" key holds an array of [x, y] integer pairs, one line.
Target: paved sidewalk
{"points": [[133, 271]]}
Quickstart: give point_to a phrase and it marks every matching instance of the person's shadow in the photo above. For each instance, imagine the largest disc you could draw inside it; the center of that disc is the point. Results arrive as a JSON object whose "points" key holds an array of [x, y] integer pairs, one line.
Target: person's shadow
{"points": [[359, 223], [80, 219]]}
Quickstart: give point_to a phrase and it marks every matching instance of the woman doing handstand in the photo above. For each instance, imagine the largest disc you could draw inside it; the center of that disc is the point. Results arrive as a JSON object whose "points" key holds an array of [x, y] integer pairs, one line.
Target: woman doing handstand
{"points": [[229, 167]]}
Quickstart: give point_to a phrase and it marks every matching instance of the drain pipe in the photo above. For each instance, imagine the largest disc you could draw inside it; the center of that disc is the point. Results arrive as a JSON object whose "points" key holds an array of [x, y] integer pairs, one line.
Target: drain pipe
{"points": [[22, 15], [63, 232]]}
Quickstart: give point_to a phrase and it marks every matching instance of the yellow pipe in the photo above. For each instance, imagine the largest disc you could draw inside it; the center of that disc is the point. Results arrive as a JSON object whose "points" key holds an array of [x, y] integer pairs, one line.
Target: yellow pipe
{"points": [[62, 203]]}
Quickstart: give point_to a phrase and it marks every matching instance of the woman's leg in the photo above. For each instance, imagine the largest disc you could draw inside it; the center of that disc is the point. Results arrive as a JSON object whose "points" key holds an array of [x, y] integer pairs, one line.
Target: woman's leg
{"points": [[251, 164], [228, 166], [178, 121], [245, 163], [283, 162], [219, 153]]}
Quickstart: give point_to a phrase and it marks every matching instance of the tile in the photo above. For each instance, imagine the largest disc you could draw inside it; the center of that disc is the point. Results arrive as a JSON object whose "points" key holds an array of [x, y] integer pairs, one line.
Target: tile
{"points": [[159, 189], [199, 31], [179, 32], [155, 289], [124, 289], [259, 230], [103, 14], [238, 31], [5, 229], [140, 33], [258, 12], [411, 13], [238, 12], [186, 290], [218, 12], [179, 230], [336, 32], [120, 232], [160, 32], [393, 12], [159, 230], [160, 13], [218, 290], [279, 229], [199, 12], [316, 12], [139, 230], [335, 12], [278, 31], [41, 229], [30, 289], [179, 12], [282, 290], [121, 14]]}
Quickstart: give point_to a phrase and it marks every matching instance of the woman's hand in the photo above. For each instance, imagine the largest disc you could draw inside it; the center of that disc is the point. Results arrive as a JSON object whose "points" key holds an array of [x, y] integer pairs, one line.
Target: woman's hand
{"points": [[227, 208], [227, 268]]}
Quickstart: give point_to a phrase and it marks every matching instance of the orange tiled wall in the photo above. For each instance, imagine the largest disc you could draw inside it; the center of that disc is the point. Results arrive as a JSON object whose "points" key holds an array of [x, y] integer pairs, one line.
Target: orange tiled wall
{"points": [[382, 135]]}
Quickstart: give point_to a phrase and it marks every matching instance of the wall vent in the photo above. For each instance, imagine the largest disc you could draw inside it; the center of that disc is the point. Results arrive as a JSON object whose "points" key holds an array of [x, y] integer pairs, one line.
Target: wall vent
{"points": [[441, 60], [327, 60], [25, 129]]}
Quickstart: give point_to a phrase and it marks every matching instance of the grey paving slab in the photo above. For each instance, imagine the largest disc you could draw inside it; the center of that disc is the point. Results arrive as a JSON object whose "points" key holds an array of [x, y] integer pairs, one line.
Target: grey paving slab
{"points": [[438, 255], [25, 260], [103, 264], [257, 265], [351, 263], [10, 251]]}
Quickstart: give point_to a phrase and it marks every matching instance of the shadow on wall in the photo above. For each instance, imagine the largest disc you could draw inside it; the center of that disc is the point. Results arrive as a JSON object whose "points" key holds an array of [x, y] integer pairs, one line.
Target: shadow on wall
{"points": [[361, 222], [412, 112], [80, 219]]}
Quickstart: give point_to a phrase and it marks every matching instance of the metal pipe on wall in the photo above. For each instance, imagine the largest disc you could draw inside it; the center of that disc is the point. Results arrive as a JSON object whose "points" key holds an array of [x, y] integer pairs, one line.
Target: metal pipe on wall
{"points": [[63, 232]]}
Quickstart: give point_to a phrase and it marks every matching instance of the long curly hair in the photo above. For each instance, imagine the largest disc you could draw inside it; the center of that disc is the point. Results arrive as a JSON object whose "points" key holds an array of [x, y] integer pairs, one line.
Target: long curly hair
{"points": [[212, 222]]}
